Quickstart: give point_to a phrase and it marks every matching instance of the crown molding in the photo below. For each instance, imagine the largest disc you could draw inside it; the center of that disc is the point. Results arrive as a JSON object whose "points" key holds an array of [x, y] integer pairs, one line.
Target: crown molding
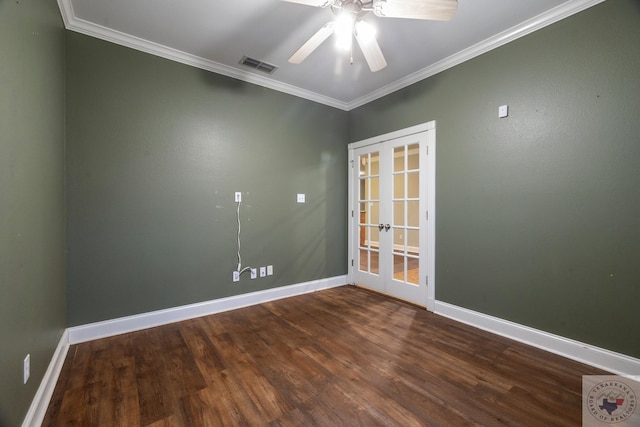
{"points": [[94, 30], [556, 14]]}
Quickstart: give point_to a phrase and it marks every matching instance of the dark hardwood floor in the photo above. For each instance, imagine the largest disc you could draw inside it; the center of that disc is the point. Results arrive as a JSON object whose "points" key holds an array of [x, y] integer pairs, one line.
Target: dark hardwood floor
{"points": [[339, 357]]}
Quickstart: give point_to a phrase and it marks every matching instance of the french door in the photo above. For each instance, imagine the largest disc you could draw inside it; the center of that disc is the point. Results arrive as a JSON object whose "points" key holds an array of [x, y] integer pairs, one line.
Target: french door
{"points": [[392, 239]]}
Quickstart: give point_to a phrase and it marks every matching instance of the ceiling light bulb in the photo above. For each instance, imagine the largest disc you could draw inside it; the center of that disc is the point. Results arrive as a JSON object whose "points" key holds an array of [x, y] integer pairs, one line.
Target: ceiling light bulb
{"points": [[344, 31], [365, 31]]}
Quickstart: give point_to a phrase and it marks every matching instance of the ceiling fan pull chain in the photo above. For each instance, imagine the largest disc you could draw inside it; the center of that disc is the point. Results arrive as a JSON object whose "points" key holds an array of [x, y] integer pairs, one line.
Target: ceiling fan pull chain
{"points": [[351, 54]]}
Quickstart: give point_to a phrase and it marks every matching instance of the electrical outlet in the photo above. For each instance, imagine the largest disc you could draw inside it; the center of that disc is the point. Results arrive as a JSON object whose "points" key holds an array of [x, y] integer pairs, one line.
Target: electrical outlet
{"points": [[236, 276], [300, 198], [238, 197], [269, 270], [254, 273], [27, 368], [263, 271]]}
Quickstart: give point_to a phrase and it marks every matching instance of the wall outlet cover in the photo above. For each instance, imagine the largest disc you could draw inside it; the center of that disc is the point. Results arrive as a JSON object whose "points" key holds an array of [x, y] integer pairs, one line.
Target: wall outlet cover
{"points": [[254, 273], [269, 270]]}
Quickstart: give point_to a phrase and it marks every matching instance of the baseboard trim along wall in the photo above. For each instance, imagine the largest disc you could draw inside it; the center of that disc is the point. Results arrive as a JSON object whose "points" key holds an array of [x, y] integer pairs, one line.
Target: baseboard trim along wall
{"points": [[40, 402], [607, 360], [107, 328]]}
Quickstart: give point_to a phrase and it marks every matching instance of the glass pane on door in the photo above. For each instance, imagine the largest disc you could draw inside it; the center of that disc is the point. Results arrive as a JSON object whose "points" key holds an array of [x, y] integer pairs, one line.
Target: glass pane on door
{"points": [[398, 213], [398, 159], [413, 211], [413, 157], [399, 268], [413, 270]]}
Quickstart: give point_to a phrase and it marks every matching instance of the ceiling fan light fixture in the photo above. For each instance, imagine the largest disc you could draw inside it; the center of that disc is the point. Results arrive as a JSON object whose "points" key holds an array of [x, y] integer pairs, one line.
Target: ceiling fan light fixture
{"points": [[343, 30], [365, 31]]}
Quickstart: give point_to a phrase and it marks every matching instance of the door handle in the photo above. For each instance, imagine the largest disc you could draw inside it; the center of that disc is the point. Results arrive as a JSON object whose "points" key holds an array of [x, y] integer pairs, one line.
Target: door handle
{"points": [[380, 227], [387, 227]]}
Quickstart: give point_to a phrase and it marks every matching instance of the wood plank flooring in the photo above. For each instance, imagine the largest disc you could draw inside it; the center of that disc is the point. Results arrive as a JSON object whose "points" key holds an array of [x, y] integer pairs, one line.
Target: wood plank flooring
{"points": [[339, 357]]}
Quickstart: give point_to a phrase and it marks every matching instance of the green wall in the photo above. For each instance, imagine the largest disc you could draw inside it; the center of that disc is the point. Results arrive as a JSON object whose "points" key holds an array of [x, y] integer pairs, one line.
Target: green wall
{"points": [[32, 218], [155, 152], [538, 214]]}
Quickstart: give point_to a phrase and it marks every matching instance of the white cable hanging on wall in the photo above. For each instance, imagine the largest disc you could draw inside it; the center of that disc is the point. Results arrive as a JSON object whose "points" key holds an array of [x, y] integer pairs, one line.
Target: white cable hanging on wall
{"points": [[240, 270]]}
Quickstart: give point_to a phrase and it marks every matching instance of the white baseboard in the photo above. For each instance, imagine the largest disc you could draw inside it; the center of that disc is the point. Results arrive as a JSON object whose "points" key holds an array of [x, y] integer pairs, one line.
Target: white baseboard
{"points": [[107, 328], [40, 402], [607, 360]]}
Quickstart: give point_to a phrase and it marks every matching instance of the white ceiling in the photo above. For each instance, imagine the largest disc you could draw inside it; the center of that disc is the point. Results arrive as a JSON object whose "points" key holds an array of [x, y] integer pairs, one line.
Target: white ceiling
{"points": [[215, 34]]}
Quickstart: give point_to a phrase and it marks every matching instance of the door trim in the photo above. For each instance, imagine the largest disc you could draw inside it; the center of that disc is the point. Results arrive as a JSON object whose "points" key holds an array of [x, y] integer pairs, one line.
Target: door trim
{"points": [[412, 130], [430, 129]]}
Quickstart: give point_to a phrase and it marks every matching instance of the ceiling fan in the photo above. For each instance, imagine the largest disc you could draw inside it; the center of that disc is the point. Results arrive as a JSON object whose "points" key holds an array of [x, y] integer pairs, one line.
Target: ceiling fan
{"points": [[349, 23]]}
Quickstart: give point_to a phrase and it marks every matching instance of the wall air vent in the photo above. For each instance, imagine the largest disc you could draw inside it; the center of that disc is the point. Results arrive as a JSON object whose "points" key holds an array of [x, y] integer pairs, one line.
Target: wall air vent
{"points": [[258, 65]]}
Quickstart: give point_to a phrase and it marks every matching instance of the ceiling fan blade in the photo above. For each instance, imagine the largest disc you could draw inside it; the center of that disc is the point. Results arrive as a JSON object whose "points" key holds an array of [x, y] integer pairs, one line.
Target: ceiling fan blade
{"points": [[370, 48], [312, 44], [437, 10], [316, 3]]}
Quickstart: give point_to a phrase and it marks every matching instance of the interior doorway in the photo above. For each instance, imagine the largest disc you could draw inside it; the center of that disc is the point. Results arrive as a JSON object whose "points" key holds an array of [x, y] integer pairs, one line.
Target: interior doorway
{"points": [[392, 214]]}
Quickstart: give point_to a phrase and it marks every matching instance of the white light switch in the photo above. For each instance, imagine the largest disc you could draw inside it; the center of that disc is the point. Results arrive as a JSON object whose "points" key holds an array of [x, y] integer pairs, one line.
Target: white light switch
{"points": [[300, 198], [503, 111]]}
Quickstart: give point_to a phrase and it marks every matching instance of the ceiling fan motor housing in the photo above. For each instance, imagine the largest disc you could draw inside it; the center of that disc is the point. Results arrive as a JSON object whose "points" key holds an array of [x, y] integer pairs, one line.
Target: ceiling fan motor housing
{"points": [[357, 8]]}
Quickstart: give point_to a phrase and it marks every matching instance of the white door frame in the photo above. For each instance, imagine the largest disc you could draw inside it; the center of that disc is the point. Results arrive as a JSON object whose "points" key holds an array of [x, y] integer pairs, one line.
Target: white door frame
{"points": [[430, 129]]}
